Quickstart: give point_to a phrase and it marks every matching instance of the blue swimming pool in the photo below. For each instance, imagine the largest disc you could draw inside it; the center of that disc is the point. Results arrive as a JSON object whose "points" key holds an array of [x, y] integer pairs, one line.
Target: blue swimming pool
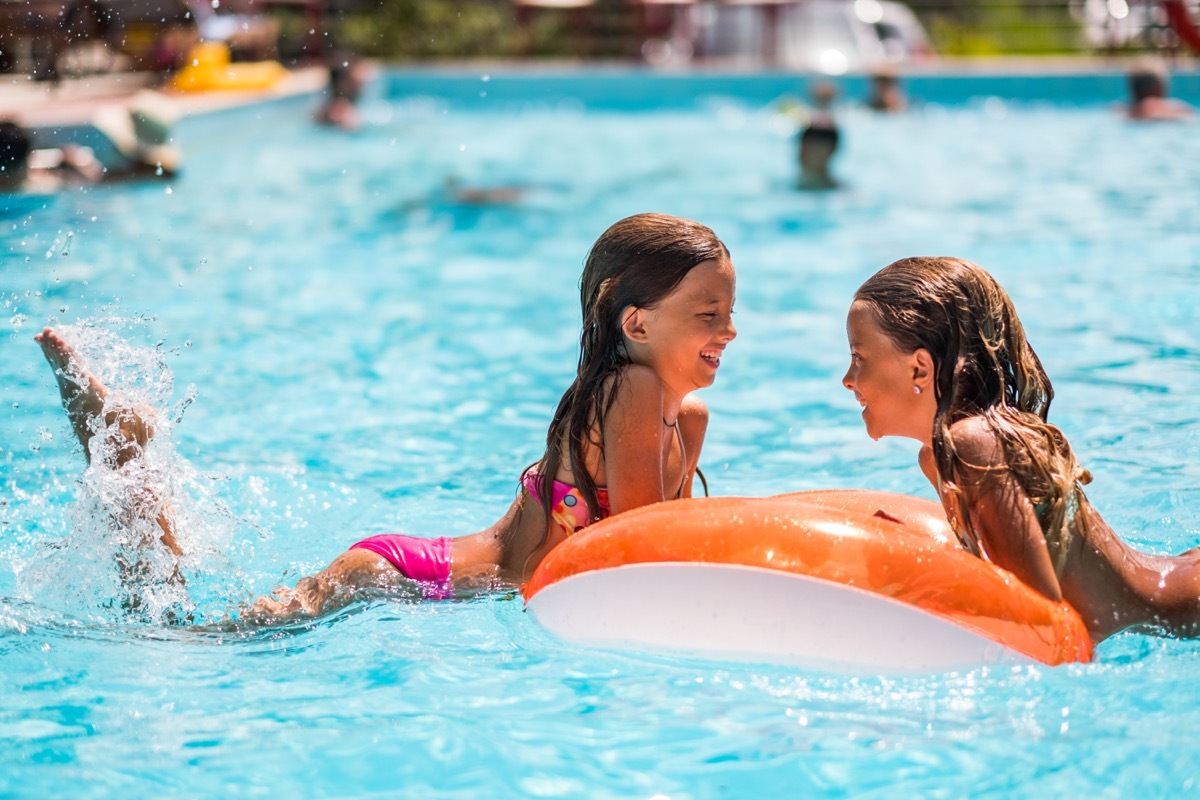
{"points": [[348, 349]]}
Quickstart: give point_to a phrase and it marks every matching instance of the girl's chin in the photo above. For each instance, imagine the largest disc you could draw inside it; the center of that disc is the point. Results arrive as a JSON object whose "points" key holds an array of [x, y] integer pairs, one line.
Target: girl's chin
{"points": [[871, 430], [874, 431]]}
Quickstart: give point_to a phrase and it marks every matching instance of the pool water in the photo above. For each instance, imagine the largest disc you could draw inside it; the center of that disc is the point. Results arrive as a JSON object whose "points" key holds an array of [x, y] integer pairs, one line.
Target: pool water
{"points": [[338, 347]]}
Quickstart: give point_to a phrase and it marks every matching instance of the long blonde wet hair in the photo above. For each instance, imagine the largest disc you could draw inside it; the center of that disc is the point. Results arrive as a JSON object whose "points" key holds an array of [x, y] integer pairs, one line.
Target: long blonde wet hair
{"points": [[983, 366]]}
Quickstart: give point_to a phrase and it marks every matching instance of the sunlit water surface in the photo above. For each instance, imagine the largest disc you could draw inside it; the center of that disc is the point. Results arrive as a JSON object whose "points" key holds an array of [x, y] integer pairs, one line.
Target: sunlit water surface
{"points": [[365, 354]]}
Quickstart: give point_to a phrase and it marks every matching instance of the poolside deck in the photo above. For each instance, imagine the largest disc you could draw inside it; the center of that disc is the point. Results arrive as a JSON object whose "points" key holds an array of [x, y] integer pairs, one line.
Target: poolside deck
{"points": [[74, 102], [63, 112]]}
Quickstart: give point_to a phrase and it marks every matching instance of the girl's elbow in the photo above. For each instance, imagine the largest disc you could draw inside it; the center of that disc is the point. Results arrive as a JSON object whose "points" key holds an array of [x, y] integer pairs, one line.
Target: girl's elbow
{"points": [[1047, 585], [1053, 593]]}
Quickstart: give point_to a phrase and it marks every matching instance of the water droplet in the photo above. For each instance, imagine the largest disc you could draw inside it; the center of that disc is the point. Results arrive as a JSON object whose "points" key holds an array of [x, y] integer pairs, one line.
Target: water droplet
{"points": [[187, 343], [16, 404], [485, 78], [462, 148], [169, 190]]}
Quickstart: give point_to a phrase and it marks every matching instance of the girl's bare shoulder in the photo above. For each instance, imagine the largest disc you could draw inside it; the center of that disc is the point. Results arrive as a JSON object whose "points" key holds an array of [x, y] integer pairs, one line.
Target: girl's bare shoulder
{"points": [[693, 420], [637, 379], [693, 409], [638, 390], [976, 442]]}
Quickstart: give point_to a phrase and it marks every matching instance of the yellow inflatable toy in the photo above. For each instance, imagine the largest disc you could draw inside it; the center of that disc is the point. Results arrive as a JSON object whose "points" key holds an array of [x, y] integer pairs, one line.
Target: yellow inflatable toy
{"points": [[210, 70]]}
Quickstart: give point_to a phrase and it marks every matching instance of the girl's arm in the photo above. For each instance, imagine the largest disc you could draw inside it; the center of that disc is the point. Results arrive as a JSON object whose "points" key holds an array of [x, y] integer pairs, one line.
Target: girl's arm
{"points": [[633, 442], [693, 424], [1001, 513], [928, 464]]}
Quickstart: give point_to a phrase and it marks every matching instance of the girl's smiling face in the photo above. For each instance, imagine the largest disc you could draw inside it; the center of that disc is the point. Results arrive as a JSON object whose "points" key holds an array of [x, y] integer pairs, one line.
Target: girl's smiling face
{"points": [[895, 388], [685, 334]]}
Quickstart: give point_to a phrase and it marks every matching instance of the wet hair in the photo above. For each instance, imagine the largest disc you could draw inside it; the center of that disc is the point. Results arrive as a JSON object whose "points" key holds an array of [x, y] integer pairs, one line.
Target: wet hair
{"points": [[343, 80], [1147, 83], [636, 262], [983, 366], [820, 132], [14, 146]]}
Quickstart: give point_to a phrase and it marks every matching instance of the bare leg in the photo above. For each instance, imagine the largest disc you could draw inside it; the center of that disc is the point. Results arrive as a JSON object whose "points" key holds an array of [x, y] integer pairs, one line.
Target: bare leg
{"points": [[331, 588], [83, 398]]}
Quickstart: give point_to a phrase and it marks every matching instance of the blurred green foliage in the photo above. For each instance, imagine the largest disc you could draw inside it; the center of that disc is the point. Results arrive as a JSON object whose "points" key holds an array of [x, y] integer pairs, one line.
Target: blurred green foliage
{"points": [[1001, 27], [401, 30], [432, 29]]}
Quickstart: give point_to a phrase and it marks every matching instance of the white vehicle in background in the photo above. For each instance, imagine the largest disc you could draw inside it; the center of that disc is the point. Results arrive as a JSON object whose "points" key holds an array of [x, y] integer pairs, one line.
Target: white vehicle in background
{"points": [[829, 36], [1113, 23]]}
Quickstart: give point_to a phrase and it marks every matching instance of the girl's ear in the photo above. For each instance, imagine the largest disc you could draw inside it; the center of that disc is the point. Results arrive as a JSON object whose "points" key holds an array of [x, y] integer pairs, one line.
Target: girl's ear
{"points": [[633, 324], [922, 369]]}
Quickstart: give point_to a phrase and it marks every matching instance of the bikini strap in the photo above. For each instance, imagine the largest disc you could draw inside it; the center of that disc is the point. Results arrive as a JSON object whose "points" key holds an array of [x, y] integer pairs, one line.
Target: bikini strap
{"points": [[682, 459]]}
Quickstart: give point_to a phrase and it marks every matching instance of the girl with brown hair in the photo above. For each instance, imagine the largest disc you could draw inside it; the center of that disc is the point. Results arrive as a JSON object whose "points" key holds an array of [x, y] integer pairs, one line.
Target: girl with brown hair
{"points": [[938, 354]]}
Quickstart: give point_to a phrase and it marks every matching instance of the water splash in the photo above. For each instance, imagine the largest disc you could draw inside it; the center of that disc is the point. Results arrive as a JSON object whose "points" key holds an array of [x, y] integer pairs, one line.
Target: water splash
{"points": [[113, 564]]}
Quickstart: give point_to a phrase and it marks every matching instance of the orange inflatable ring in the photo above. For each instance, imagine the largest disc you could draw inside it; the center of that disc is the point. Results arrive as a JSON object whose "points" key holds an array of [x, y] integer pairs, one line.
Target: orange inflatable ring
{"points": [[848, 578]]}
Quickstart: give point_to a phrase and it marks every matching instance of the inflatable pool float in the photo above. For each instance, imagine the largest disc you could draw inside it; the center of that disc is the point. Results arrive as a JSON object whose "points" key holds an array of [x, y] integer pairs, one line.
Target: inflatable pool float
{"points": [[858, 580], [209, 69]]}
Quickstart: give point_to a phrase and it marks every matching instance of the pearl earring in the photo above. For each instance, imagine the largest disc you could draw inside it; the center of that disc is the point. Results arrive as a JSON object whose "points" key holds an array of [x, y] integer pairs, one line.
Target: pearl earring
{"points": [[916, 390]]}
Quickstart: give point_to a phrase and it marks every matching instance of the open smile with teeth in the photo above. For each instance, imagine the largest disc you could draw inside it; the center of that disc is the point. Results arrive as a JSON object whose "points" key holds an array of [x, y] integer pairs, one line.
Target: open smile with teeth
{"points": [[712, 357]]}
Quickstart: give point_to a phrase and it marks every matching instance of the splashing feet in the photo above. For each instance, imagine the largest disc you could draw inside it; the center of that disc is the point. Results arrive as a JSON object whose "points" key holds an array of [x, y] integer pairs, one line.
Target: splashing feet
{"points": [[92, 410]]}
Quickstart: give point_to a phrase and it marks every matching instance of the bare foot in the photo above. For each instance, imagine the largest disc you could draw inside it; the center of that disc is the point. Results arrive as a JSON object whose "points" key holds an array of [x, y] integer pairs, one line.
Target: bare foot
{"points": [[84, 398], [353, 575], [82, 395]]}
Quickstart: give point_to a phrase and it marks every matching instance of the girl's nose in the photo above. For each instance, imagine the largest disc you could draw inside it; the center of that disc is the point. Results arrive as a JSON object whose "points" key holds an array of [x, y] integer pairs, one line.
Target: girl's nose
{"points": [[847, 379]]}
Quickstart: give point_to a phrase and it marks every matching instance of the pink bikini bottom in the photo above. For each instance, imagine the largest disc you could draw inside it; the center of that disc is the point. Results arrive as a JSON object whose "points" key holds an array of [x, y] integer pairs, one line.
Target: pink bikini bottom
{"points": [[426, 561]]}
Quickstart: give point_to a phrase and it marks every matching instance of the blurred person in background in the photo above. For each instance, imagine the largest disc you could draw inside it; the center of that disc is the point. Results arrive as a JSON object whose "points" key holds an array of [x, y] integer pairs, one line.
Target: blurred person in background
{"points": [[141, 145], [1148, 94], [885, 94], [25, 169], [819, 140], [347, 76]]}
